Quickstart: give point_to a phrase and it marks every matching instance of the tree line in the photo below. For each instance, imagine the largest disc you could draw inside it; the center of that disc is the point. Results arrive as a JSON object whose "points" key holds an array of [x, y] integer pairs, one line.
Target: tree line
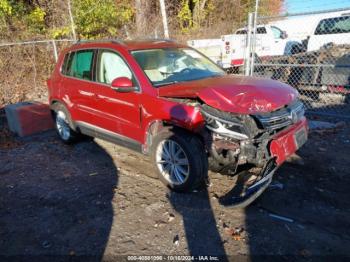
{"points": [[93, 19]]}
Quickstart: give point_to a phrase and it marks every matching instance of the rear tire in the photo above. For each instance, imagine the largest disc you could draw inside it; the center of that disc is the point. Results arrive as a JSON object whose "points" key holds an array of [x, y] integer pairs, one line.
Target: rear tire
{"points": [[179, 159], [63, 125]]}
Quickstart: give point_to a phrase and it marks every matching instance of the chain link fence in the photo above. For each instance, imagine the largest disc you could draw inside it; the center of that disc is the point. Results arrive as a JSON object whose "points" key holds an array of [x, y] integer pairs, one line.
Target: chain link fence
{"points": [[25, 67], [309, 51]]}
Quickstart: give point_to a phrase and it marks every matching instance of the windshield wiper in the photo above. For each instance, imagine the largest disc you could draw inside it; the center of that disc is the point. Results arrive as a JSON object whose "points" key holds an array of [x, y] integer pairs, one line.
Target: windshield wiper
{"points": [[165, 83]]}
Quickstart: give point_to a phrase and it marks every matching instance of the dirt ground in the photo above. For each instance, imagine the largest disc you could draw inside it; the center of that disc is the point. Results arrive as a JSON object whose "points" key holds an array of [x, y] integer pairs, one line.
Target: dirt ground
{"points": [[100, 201]]}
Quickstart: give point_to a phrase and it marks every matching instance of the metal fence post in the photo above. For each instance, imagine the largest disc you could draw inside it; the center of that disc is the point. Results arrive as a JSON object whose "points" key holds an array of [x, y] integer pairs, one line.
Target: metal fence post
{"points": [[54, 50], [248, 45], [253, 43]]}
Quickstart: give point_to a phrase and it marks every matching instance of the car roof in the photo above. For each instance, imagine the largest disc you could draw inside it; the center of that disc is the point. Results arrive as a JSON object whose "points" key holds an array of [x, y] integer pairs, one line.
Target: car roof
{"points": [[129, 45], [151, 44]]}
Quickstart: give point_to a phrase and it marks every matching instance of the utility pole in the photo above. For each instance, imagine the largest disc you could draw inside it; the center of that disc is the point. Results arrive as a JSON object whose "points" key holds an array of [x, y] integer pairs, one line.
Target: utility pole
{"points": [[71, 20], [165, 20]]}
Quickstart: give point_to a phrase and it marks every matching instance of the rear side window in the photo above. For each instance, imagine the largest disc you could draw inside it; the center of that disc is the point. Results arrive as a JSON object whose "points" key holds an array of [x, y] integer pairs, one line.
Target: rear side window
{"points": [[261, 30], [80, 64], [336, 25], [241, 32]]}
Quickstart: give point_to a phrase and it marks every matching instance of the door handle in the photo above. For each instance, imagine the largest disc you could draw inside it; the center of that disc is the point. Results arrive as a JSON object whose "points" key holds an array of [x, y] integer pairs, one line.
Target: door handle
{"points": [[84, 93]]}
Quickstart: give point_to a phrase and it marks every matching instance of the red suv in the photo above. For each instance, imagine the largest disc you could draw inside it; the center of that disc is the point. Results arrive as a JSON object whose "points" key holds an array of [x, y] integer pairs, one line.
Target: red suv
{"points": [[167, 100]]}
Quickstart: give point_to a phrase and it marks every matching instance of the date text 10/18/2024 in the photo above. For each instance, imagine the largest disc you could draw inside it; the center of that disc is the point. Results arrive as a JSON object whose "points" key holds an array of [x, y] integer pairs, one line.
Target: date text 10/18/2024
{"points": [[173, 258]]}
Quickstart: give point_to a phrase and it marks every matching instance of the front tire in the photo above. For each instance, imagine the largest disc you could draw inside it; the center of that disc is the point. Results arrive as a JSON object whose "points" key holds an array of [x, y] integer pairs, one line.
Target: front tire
{"points": [[180, 160]]}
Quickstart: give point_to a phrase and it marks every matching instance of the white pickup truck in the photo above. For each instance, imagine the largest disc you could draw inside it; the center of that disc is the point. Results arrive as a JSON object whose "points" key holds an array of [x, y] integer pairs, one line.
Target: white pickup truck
{"points": [[270, 41], [230, 50], [334, 30]]}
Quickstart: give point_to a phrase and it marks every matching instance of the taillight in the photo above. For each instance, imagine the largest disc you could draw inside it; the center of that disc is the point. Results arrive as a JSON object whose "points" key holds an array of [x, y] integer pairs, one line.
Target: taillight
{"points": [[237, 62]]}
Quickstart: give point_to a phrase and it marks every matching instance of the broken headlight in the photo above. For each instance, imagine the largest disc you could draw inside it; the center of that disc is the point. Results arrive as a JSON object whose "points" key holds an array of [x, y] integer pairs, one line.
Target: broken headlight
{"points": [[224, 124]]}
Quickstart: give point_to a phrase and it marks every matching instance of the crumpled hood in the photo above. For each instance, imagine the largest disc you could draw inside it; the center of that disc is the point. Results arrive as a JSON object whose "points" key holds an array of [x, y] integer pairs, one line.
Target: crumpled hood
{"points": [[236, 94]]}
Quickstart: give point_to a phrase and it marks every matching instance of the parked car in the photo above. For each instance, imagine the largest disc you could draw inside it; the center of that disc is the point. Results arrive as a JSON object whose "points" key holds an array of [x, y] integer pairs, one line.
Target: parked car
{"points": [[170, 102], [332, 30]]}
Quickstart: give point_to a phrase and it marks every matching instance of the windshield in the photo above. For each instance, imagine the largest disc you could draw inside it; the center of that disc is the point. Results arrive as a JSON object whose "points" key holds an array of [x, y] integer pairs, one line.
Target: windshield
{"points": [[171, 65]]}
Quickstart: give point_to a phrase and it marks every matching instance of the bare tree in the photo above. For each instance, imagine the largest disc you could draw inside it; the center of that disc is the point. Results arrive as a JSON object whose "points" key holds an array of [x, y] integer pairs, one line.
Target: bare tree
{"points": [[143, 10]]}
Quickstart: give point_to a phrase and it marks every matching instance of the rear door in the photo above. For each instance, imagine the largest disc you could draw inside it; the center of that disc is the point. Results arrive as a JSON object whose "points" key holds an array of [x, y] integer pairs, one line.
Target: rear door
{"points": [[78, 76]]}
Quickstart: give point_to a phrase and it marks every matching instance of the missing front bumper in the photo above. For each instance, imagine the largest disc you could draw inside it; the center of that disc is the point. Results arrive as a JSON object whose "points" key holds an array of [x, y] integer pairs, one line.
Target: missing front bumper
{"points": [[237, 199]]}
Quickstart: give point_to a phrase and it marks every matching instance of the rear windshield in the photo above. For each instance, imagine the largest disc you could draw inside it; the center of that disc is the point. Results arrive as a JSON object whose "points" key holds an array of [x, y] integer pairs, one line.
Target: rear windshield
{"points": [[336, 25]]}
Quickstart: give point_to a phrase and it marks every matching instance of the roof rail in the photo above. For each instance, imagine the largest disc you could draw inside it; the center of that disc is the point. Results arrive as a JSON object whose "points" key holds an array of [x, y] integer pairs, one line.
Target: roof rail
{"points": [[115, 41], [154, 39]]}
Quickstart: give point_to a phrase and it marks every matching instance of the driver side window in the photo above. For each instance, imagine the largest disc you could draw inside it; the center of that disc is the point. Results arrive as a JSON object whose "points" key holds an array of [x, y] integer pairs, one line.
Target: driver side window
{"points": [[277, 33], [110, 66]]}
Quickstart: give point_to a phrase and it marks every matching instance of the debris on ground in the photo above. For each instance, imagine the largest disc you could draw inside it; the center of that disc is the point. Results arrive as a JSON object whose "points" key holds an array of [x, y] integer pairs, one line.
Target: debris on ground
{"points": [[286, 219], [235, 233], [171, 217], [276, 185], [176, 240]]}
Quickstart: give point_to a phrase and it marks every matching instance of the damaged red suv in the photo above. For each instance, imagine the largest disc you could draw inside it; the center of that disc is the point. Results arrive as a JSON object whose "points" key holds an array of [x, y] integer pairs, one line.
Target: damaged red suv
{"points": [[168, 101]]}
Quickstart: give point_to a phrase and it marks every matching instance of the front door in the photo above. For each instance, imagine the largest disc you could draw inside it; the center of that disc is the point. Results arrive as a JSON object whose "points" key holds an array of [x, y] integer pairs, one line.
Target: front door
{"points": [[116, 112]]}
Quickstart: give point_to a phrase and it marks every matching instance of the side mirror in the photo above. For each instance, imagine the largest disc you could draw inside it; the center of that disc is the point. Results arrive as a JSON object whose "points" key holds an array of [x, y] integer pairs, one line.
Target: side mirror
{"points": [[284, 35], [123, 85]]}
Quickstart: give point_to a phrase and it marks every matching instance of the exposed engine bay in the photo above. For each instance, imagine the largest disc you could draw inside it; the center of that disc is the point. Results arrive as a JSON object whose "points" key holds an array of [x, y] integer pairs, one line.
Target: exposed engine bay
{"points": [[233, 139], [243, 139]]}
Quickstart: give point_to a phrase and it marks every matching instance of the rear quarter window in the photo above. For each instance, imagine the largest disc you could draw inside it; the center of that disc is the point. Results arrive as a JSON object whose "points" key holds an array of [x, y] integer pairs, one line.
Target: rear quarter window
{"points": [[80, 65], [65, 64]]}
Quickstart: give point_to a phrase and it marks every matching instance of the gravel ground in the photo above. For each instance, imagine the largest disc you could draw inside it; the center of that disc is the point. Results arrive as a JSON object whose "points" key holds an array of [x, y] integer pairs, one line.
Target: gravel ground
{"points": [[98, 200]]}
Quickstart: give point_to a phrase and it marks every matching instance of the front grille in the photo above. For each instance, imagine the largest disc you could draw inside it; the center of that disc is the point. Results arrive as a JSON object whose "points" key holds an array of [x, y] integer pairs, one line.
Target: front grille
{"points": [[282, 117]]}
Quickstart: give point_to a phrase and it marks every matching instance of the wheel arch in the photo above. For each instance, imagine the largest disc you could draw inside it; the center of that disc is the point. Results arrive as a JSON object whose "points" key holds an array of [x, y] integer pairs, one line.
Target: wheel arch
{"points": [[157, 126], [54, 103]]}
